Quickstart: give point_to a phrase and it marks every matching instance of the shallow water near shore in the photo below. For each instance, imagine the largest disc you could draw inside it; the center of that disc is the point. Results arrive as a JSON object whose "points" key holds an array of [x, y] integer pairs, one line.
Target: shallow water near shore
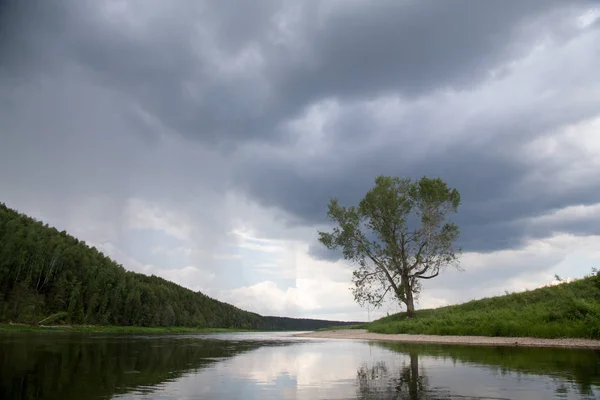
{"points": [[282, 366]]}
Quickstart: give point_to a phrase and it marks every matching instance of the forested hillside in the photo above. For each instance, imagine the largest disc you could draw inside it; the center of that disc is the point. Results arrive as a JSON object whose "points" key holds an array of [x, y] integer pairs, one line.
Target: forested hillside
{"points": [[46, 273]]}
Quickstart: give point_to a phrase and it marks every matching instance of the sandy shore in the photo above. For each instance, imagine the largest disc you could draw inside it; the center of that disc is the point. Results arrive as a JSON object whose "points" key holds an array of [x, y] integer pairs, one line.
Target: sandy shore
{"points": [[362, 334]]}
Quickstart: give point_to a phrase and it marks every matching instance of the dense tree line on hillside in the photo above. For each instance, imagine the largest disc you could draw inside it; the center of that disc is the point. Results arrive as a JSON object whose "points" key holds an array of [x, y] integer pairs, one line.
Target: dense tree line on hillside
{"points": [[46, 273], [299, 324]]}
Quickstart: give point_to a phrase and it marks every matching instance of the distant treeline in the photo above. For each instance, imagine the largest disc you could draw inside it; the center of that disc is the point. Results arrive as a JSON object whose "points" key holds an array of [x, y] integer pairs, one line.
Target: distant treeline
{"points": [[47, 274]]}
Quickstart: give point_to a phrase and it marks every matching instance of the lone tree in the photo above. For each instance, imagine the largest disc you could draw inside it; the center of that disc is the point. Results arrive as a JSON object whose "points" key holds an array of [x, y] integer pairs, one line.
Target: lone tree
{"points": [[398, 235]]}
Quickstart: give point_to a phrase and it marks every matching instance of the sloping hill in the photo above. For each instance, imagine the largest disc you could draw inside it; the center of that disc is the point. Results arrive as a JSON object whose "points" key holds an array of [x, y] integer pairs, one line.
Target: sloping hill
{"points": [[565, 310], [46, 273]]}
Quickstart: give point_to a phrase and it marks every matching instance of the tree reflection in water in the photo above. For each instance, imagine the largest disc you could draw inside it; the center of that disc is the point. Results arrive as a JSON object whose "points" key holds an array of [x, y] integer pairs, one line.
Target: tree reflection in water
{"points": [[379, 382], [574, 372]]}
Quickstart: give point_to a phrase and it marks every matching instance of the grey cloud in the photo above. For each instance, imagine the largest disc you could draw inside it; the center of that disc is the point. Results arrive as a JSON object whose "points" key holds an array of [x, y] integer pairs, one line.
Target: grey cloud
{"points": [[473, 280], [364, 49], [489, 173], [73, 155], [356, 50], [320, 252], [133, 104], [582, 225], [485, 158]]}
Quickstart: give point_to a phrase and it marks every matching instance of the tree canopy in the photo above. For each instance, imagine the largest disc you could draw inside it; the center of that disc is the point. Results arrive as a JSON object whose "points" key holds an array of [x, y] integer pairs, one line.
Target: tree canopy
{"points": [[399, 234]]}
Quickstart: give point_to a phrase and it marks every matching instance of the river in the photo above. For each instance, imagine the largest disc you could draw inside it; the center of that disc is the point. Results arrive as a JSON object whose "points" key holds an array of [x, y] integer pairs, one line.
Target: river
{"points": [[281, 366]]}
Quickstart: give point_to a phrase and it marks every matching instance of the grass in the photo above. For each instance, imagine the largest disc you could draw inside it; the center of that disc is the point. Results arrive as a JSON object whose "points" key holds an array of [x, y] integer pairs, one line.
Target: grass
{"points": [[339, 328], [112, 329], [568, 310]]}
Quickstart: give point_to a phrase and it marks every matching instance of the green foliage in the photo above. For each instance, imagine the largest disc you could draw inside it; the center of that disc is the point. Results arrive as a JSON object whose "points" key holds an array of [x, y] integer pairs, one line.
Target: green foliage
{"points": [[339, 328], [54, 317], [44, 272], [398, 234], [568, 310]]}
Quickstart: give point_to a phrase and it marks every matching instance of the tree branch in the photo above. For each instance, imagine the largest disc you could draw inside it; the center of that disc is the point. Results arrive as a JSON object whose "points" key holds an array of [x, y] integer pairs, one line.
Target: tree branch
{"points": [[379, 264], [363, 278], [431, 276], [383, 295], [418, 256], [427, 266]]}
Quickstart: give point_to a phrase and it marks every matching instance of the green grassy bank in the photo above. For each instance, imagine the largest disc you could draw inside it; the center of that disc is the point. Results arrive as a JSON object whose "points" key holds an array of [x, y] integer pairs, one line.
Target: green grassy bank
{"points": [[112, 329], [568, 310], [339, 328]]}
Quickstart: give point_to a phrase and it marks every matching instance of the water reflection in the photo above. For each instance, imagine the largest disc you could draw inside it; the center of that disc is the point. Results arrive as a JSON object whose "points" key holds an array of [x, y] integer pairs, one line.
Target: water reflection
{"points": [[377, 381], [480, 373], [278, 366], [58, 366]]}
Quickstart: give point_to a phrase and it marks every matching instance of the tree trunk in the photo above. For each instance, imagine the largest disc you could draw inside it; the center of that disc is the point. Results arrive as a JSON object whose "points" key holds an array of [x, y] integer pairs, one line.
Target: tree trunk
{"points": [[408, 295]]}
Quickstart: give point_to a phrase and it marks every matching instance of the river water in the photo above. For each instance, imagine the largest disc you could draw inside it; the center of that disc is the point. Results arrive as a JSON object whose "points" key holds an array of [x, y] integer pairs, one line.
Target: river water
{"points": [[281, 366]]}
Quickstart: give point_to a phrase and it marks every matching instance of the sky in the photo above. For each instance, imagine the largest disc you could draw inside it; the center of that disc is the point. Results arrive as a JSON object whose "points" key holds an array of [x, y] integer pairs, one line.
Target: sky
{"points": [[201, 141]]}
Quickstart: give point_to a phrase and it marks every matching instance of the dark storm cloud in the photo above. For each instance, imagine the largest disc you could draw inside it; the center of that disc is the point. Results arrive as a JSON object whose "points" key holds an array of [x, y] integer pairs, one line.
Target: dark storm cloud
{"points": [[172, 61], [409, 47], [227, 76], [149, 55], [320, 252], [490, 166]]}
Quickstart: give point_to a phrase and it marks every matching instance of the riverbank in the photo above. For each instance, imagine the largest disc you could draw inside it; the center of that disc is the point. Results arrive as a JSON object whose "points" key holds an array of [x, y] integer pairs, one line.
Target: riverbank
{"points": [[565, 310], [112, 329], [363, 334]]}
